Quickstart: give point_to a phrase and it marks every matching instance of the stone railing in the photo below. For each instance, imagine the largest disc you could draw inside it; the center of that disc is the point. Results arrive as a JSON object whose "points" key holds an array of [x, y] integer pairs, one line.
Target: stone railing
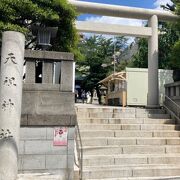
{"points": [[51, 101], [172, 90], [172, 100]]}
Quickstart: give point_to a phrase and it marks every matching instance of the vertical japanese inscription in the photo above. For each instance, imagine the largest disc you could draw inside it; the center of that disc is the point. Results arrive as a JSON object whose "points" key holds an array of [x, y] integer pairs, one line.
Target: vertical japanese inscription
{"points": [[9, 81]]}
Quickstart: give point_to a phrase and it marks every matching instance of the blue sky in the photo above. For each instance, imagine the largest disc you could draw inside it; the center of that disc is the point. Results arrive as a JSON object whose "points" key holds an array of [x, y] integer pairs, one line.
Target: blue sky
{"points": [[133, 3], [150, 4]]}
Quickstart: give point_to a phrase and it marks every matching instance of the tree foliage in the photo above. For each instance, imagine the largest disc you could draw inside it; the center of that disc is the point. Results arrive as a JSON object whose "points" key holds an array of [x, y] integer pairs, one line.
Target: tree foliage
{"points": [[168, 37], [22, 15], [97, 51]]}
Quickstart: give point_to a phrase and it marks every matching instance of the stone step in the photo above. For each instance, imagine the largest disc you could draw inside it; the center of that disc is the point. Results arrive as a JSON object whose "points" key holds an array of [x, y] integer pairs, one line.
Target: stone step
{"points": [[128, 133], [124, 172], [129, 127], [129, 141], [121, 115], [130, 160], [143, 178], [130, 149], [40, 176], [111, 109], [125, 121]]}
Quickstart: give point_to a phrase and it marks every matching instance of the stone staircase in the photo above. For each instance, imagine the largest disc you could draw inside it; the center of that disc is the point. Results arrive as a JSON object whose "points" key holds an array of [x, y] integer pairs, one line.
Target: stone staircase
{"points": [[128, 143]]}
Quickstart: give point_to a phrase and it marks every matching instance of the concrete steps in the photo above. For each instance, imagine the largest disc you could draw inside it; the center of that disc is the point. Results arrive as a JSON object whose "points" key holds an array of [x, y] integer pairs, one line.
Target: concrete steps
{"points": [[131, 160], [126, 133], [124, 121], [130, 127], [131, 149], [108, 141], [132, 172], [128, 143], [144, 178]]}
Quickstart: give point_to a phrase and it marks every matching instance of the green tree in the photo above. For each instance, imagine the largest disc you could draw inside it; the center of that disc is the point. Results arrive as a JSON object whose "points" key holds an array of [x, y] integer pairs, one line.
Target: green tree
{"points": [[167, 38], [97, 51], [22, 15], [169, 35]]}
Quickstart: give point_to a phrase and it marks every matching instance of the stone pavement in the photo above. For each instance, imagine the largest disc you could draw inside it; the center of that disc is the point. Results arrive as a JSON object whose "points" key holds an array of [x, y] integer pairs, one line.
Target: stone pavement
{"points": [[39, 176]]}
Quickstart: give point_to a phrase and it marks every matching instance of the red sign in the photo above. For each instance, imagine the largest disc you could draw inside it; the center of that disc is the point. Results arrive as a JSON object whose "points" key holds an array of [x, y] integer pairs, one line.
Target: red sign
{"points": [[60, 136]]}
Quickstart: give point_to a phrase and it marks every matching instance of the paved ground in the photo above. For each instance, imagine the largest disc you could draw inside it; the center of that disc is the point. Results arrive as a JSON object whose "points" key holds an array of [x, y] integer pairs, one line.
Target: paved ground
{"points": [[39, 176]]}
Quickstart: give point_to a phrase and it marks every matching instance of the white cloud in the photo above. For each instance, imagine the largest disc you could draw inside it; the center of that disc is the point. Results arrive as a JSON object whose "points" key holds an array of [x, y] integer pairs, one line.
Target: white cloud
{"points": [[115, 20], [158, 4]]}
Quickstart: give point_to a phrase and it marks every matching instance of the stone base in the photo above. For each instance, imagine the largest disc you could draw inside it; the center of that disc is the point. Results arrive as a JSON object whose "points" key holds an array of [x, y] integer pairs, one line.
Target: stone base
{"points": [[42, 105]]}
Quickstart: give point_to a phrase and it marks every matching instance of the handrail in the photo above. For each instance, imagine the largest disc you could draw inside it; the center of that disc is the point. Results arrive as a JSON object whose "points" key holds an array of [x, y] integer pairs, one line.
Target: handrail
{"points": [[172, 101], [79, 150], [171, 112]]}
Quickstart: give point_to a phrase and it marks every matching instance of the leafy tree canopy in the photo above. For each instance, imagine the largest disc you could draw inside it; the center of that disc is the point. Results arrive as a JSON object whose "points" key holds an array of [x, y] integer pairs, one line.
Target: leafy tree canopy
{"points": [[169, 35], [22, 15], [97, 59]]}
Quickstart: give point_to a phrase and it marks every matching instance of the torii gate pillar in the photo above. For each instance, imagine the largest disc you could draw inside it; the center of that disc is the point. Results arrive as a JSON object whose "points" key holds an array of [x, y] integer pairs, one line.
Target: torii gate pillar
{"points": [[153, 85]]}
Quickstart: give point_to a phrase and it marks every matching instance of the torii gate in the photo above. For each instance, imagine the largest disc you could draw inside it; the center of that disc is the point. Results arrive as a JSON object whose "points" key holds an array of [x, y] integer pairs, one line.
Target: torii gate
{"points": [[150, 32]]}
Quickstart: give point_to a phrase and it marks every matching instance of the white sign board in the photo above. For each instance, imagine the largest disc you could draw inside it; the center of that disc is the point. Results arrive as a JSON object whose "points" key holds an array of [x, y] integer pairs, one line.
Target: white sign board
{"points": [[60, 136]]}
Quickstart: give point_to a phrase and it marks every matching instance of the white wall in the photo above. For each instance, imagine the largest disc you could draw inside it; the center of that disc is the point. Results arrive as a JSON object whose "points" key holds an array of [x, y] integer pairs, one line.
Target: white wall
{"points": [[137, 85]]}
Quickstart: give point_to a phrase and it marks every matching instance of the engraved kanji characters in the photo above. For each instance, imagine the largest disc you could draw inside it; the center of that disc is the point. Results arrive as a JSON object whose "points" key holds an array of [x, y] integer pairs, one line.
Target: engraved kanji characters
{"points": [[11, 58], [9, 81], [7, 105]]}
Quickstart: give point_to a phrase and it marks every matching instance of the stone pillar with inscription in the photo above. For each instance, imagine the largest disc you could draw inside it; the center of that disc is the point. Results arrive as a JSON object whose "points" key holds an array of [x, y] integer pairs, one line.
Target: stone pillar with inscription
{"points": [[12, 56]]}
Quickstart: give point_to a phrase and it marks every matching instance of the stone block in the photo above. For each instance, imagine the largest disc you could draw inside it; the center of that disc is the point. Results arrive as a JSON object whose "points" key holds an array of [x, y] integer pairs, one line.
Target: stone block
{"points": [[102, 150], [32, 133], [158, 121], [130, 127], [151, 141], [97, 133], [101, 115], [131, 121], [31, 162], [130, 160], [143, 150], [100, 126], [124, 115], [98, 160], [47, 72], [56, 161], [133, 134], [103, 174], [44, 147], [166, 134], [159, 116], [50, 120], [173, 149], [121, 141], [158, 171], [66, 76], [94, 142], [164, 160], [157, 127], [114, 121], [174, 141]]}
